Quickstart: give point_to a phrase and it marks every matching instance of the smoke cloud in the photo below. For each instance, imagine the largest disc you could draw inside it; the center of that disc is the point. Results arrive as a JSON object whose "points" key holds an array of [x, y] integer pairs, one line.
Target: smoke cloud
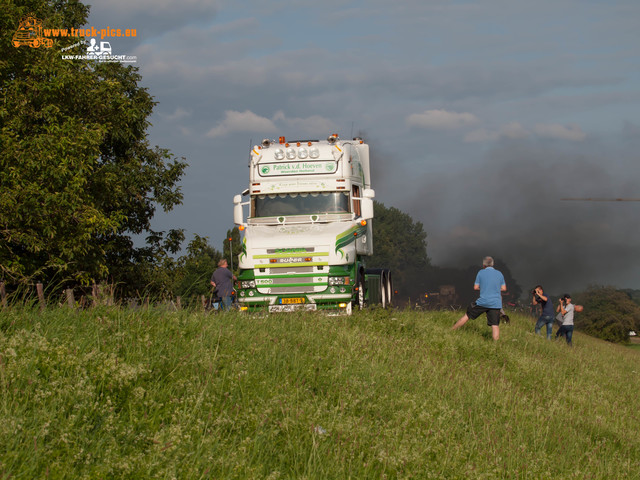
{"points": [[509, 205]]}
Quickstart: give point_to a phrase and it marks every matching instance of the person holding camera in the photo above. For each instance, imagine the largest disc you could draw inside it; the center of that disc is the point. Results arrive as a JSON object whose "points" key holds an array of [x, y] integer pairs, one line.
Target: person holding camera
{"points": [[546, 316], [566, 308], [490, 282]]}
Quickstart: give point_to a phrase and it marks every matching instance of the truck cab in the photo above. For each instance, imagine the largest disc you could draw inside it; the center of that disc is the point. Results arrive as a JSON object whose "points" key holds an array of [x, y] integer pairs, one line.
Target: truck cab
{"points": [[308, 225]]}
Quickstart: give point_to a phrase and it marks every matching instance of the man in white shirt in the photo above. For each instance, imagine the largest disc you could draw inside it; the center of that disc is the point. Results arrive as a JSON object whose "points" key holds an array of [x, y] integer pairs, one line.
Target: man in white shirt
{"points": [[566, 308]]}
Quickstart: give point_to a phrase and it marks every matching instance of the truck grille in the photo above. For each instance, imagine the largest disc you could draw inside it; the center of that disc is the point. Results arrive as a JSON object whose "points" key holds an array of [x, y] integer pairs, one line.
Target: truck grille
{"points": [[298, 280]]}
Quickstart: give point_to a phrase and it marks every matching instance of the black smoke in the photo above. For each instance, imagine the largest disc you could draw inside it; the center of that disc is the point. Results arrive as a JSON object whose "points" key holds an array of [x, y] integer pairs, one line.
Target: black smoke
{"points": [[510, 205]]}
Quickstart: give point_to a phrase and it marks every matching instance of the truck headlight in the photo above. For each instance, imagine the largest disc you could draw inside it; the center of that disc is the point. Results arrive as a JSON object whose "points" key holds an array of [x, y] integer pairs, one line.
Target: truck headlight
{"points": [[338, 280], [279, 154], [291, 154], [314, 152], [248, 284], [303, 153]]}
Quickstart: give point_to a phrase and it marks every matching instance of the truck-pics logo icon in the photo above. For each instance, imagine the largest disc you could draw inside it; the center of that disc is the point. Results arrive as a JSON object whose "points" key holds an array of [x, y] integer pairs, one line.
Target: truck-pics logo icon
{"points": [[30, 33], [95, 50]]}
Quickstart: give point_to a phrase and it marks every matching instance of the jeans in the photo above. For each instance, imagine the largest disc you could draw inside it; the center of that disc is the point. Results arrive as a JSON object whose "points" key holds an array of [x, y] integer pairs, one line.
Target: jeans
{"points": [[567, 331], [545, 319], [226, 303]]}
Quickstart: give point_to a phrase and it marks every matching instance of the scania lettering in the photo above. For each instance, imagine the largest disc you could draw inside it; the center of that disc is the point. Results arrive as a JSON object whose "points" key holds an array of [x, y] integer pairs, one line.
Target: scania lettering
{"points": [[308, 228]]}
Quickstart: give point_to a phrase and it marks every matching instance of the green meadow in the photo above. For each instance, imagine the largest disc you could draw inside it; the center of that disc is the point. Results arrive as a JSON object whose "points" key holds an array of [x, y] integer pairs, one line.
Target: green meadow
{"points": [[121, 393]]}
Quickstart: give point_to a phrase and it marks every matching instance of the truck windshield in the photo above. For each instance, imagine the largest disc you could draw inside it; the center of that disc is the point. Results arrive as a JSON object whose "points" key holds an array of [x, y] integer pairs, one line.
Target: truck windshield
{"points": [[276, 205]]}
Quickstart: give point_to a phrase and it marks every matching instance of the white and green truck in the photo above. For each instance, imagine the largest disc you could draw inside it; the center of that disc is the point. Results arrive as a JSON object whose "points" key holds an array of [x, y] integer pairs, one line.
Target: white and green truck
{"points": [[308, 228]]}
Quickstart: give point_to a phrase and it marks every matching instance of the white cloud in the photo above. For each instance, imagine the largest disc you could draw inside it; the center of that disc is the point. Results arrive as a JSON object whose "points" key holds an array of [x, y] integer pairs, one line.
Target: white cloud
{"points": [[509, 130], [513, 130], [246, 121], [441, 119], [178, 114], [312, 125], [569, 132], [481, 135]]}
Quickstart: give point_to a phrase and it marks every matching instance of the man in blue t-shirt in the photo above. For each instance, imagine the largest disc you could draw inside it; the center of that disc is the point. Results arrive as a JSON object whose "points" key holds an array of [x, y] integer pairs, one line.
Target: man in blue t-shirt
{"points": [[490, 283]]}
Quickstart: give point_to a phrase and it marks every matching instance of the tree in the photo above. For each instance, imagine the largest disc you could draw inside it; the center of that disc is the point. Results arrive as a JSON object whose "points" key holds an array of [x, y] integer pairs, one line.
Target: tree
{"points": [[77, 174], [194, 269], [231, 250], [634, 294], [608, 314], [400, 244]]}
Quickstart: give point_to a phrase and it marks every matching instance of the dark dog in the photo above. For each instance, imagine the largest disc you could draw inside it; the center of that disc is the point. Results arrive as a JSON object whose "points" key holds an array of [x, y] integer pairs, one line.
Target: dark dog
{"points": [[504, 318]]}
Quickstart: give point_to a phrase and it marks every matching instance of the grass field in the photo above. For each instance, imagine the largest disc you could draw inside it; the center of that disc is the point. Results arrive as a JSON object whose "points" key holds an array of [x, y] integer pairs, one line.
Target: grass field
{"points": [[117, 393]]}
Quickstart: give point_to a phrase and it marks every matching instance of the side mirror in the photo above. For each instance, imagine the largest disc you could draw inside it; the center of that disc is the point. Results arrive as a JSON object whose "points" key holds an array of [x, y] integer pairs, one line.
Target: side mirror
{"points": [[237, 210], [367, 203]]}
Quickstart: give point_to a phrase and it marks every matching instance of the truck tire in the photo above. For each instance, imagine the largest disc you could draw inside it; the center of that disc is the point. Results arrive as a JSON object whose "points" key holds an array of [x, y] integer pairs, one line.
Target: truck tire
{"points": [[383, 291], [389, 287], [361, 294]]}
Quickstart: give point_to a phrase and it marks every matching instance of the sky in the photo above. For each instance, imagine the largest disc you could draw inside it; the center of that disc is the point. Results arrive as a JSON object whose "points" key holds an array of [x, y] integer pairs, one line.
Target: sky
{"points": [[482, 116]]}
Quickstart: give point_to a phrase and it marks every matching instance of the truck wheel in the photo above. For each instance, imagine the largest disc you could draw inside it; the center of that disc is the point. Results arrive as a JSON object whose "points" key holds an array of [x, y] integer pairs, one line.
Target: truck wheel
{"points": [[383, 291], [361, 294], [389, 287]]}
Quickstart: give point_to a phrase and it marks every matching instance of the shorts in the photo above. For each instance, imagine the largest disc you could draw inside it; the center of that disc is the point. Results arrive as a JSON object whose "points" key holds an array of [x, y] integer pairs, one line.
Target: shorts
{"points": [[493, 314]]}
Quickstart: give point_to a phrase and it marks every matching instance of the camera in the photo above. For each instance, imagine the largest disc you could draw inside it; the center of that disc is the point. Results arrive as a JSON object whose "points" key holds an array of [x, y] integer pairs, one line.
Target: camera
{"points": [[536, 296]]}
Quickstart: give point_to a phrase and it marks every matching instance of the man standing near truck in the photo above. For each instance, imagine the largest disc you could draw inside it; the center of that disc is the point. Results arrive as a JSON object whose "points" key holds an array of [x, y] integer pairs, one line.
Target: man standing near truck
{"points": [[222, 280], [490, 283]]}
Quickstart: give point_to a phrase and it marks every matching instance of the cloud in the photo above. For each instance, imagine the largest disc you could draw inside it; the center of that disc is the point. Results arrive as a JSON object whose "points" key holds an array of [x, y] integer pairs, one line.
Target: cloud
{"points": [[312, 125], [441, 119], [511, 130], [246, 121], [561, 132], [481, 135], [178, 114], [151, 18], [510, 204]]}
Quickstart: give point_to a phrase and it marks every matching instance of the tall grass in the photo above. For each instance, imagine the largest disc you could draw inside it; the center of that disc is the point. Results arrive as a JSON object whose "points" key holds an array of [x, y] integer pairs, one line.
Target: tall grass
{"points": [[117, 393]]}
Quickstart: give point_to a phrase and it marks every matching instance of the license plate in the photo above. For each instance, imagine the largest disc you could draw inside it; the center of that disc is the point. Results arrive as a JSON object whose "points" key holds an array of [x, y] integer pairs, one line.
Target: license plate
{"points": [[288, 301]]}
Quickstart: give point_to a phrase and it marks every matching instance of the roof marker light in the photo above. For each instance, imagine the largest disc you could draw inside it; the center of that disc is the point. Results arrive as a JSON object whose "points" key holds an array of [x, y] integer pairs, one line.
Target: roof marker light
{"points": [[281, 140]]}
